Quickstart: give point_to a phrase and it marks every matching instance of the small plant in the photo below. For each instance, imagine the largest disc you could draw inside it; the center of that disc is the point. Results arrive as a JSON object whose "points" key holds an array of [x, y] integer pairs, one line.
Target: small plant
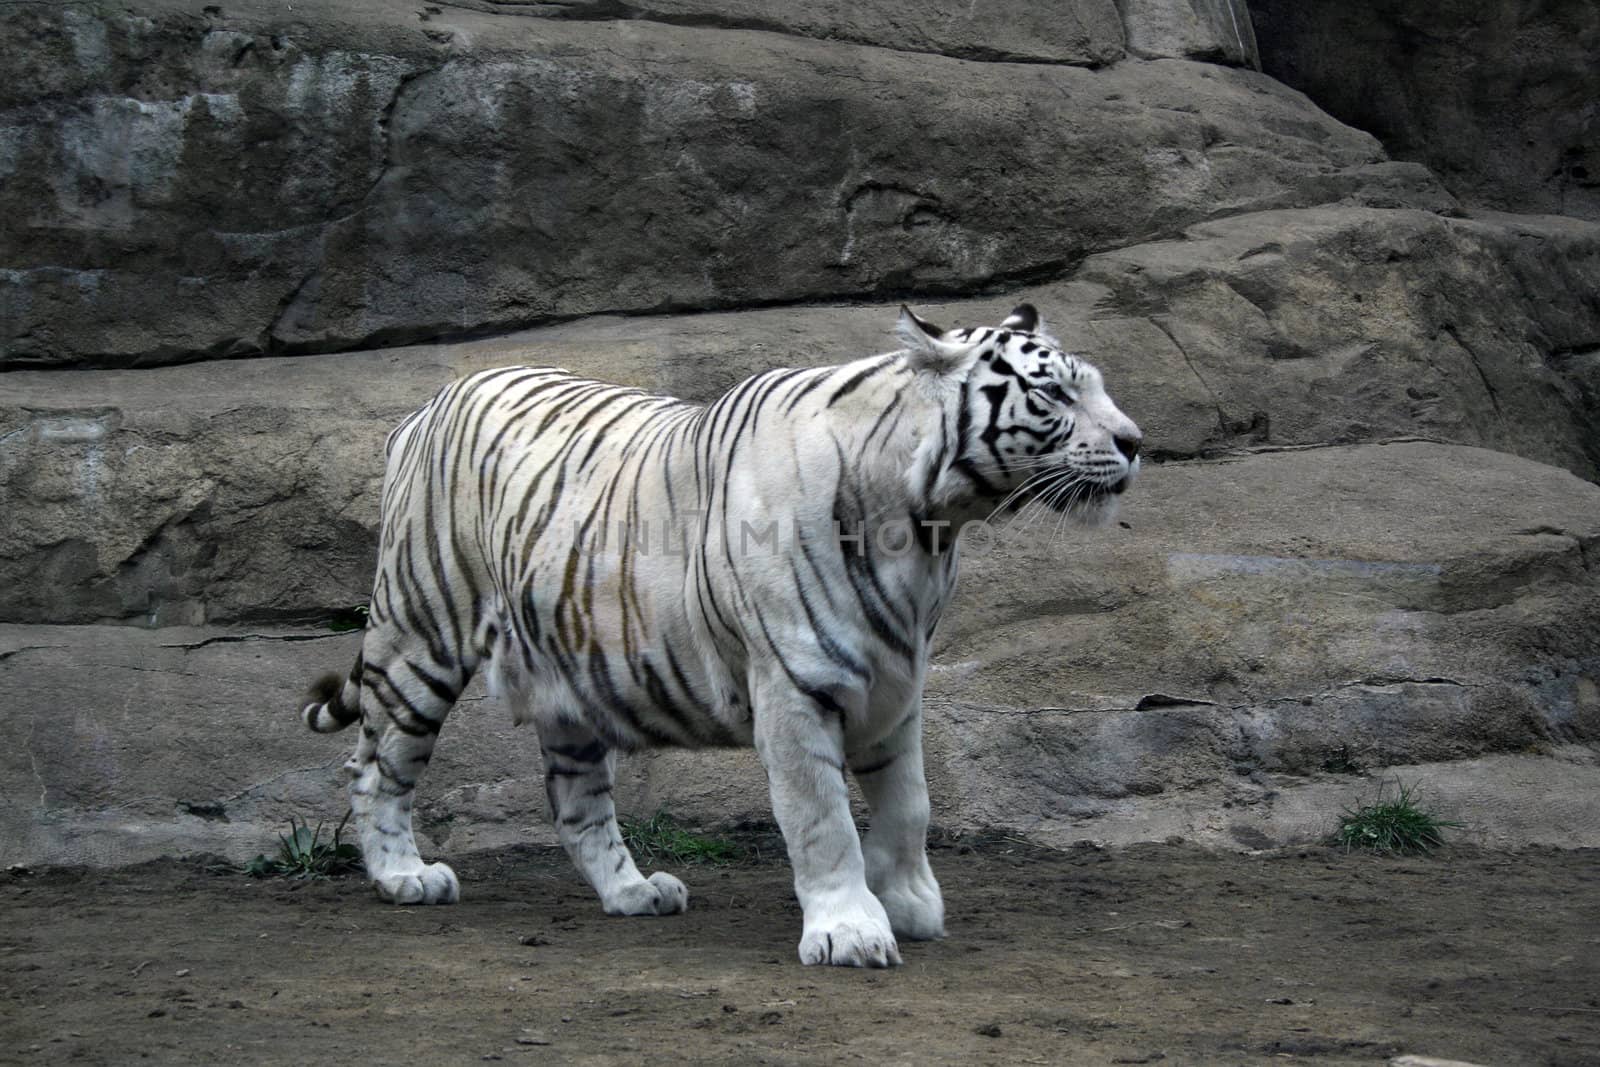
{"points": [[1396, 826], [1342, 761], [660, 839], [303, 854], [347, 619]]}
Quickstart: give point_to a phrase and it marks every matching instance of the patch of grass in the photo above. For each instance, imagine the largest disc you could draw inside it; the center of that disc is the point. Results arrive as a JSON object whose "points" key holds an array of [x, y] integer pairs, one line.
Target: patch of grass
{"points": [[1397, 825], [660, 839], [347, 619], [303, 854]]}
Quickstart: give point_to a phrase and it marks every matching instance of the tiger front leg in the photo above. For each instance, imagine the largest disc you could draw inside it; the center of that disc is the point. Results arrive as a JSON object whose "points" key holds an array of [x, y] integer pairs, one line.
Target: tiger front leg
{"points": [[895, 849], [578, 774], [801, 744]]}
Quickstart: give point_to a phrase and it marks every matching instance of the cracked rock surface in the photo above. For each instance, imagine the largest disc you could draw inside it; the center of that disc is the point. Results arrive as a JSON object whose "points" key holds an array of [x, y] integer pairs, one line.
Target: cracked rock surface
{"points": [[342, 175], [244, 239], [246, 491], [1260, 627], [1286, 616]]}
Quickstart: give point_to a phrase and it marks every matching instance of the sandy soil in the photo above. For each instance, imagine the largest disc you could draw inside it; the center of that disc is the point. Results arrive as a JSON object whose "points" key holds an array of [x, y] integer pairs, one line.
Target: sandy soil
{"points": [[1150, 954]]}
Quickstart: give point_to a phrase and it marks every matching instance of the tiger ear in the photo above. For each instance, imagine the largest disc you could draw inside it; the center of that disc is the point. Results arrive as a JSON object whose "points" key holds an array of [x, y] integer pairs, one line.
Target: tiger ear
{"points": [[926, 347], [1024, 317]]}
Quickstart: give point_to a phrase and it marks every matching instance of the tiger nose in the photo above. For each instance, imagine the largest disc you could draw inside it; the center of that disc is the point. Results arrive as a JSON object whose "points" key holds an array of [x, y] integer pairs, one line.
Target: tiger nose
{"points": [[1129, 446]]}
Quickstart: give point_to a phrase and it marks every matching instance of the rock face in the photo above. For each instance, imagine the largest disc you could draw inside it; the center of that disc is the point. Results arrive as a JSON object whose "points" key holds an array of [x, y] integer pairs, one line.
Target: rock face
{"points": [[185, 185], [1216, 30], [1259, 627], [1085, 33], [228, 492], [1344, 324], [1366, 536], [1389, 604], [1498, 99]]}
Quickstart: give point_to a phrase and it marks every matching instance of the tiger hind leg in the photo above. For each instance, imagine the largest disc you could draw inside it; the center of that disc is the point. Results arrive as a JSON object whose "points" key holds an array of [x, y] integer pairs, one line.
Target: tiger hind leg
{"points": [[578, 773], [404, 700]]}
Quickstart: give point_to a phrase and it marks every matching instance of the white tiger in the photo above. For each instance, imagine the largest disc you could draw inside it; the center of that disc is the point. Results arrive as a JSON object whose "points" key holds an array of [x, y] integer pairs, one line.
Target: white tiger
{"points": [[517, 508]]}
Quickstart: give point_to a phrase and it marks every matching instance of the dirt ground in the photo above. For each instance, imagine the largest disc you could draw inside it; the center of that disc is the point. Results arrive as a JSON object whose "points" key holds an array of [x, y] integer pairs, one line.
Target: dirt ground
{"points": [[1150, 954]]}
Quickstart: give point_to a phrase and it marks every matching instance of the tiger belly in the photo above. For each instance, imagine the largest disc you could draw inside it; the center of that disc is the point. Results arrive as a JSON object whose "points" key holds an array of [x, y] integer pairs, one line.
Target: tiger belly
{"points": [[628, 666]]}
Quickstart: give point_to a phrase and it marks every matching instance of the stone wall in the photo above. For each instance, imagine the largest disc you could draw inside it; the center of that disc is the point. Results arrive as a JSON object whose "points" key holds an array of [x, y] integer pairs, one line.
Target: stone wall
{"points": [[186, 186], [1364, 546], [243, 492], [1501, 100]]}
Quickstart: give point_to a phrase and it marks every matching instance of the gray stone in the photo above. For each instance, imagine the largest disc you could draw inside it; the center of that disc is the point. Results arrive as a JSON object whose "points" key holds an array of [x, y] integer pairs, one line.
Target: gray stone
{"points": [[351, 175], [1083, 32], [1498, 99], [1348, 324], [1215, 30], [240, 491], [1278, 628], [1214, 668], [1403, 603], [1549, 798]]}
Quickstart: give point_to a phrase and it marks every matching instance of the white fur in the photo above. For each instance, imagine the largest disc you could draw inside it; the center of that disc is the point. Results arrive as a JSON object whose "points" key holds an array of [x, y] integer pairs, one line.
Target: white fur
{"points": [[796, 650]]}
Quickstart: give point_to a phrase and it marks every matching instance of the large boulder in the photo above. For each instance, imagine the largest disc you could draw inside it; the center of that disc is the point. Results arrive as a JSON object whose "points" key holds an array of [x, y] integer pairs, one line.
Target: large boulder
{"points": [[1398, 603], [1335, 325], [1498, 99], [1263, 628], [183, 183]]}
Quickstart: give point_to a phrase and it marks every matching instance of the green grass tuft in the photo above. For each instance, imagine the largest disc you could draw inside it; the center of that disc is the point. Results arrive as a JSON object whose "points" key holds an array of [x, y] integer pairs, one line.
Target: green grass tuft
{"points": [[660, 839], [1395, 826], [303, 854], [345, 620]]}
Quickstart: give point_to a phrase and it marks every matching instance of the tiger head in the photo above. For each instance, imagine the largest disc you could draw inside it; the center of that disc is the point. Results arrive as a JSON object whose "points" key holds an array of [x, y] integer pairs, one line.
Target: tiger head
{"points": [[1032, 423]]}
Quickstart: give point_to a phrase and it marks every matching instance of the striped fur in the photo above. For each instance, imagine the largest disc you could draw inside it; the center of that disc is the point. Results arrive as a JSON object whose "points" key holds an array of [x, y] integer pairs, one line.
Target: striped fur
{"points": [[636, 571]]}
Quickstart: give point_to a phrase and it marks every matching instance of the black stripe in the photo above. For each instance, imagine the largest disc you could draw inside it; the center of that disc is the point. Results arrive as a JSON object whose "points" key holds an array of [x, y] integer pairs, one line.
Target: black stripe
{"points": [[830, 648], [874, 768], [429, 724], [855, 380], [822, 376], [816, 694], [593, 752]]}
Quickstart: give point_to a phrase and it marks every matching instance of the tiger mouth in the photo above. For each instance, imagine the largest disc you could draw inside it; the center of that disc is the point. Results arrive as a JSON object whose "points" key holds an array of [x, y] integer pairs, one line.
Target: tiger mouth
{"points": [[1087, 493], [1080, 492], [1097, 491]]}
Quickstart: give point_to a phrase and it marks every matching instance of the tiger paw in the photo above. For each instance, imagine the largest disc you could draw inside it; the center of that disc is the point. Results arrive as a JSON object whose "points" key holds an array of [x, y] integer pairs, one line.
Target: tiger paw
{"points": [[853, 938], [660, 894], [914, 905], [434, 883]]}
